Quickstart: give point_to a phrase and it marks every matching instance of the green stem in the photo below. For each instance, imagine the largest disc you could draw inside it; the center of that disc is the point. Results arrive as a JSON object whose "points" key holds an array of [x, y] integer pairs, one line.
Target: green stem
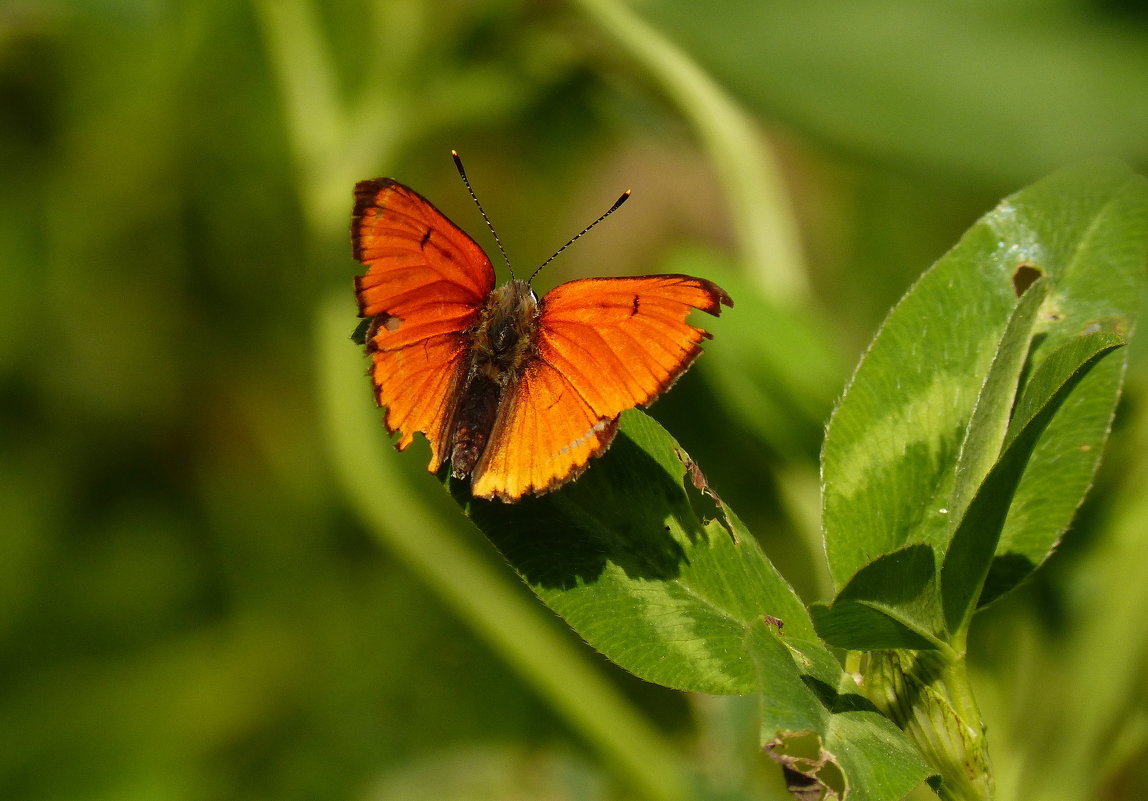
{"points": [[751, 177], [305, 76], [929, 696], [336, 142]]}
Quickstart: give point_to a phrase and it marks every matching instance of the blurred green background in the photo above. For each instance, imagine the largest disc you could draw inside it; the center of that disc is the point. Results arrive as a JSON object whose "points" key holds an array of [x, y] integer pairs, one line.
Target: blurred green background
{"points": [[218, 581]]}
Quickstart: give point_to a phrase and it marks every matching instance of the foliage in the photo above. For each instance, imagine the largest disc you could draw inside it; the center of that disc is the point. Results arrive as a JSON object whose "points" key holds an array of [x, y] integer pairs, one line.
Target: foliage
{"points": [[970, 407], [217, 580]]}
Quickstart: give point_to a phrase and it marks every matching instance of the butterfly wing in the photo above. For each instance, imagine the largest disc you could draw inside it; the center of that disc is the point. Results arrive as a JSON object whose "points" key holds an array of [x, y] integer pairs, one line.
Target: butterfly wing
{"points": [[603, 345], [425, 285]]}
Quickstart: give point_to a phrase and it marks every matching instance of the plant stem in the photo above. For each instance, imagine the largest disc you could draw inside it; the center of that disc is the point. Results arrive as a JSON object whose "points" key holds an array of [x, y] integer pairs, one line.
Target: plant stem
{"points": [[759, 204], [929, 696]]}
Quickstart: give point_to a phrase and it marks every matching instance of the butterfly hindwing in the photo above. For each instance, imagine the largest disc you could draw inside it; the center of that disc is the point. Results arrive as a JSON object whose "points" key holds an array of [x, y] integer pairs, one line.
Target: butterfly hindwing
{"points": [[424, 288], [602, 345], [543, 437]]}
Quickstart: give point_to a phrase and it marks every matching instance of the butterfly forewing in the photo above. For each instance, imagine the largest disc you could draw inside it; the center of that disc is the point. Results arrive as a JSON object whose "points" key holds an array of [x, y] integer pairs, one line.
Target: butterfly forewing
{"points": [[632, 330], [424, 287]]}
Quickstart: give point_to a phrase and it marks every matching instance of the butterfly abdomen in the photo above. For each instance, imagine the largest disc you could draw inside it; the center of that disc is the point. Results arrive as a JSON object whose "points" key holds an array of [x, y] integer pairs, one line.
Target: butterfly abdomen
{"points": [[473, 422]]}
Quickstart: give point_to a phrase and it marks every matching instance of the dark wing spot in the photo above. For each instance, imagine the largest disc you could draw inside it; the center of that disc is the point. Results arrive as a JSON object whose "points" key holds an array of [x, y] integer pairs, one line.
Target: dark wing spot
{"points": [[634, 310], [441, 251]]}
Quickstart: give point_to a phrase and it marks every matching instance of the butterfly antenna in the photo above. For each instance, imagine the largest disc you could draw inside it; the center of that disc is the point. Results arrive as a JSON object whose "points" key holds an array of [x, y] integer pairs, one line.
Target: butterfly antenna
{"points": [[617, 204], [481, 210]]}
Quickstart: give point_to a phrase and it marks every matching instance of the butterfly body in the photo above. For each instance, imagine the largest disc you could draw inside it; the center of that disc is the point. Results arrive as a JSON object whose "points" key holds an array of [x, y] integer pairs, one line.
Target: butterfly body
{"points": [[502, 340], [518, 393]]}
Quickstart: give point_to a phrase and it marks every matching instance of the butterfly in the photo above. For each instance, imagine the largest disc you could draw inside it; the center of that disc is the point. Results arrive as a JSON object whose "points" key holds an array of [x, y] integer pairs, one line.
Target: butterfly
{"points": [[518, 392]]}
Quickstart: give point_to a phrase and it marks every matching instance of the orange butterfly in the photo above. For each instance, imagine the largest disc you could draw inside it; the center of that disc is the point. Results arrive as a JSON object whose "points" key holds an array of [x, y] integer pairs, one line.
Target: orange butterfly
{"points": [[519, 393]]}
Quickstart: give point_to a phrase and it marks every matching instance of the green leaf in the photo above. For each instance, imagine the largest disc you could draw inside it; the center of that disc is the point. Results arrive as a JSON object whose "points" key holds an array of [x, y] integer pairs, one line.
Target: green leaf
{"points": [[893, 602], [893, 441], [670, 585], [891, 455], [1088, 227], [890, 603], [667, 590], [879, 761], [973, 545], [359, 335], [834, 736], [990, 420]]}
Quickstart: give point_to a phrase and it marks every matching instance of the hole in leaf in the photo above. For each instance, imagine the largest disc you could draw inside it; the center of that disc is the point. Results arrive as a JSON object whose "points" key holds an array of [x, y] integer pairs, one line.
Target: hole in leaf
{"points": [[810, 772], [702, 485], [1024, 276]]}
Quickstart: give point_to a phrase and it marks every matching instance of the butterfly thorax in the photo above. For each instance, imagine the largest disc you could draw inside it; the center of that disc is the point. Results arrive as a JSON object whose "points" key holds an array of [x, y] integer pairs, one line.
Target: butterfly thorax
{"points": [[505, 330], [500, 343]]}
